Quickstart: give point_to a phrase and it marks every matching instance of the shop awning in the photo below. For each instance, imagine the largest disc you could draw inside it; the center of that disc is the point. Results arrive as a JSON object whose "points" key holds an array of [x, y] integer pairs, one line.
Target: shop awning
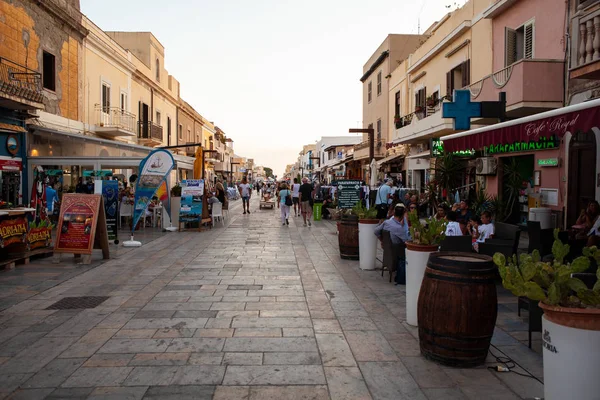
{"points": [[389, 159], [422, 154], [11, 128], [528, 133]]}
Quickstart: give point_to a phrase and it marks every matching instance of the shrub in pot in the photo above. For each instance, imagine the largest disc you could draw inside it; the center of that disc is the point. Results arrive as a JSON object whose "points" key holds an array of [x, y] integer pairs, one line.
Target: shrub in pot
{"points": [[425, 239], [367, 241], [571, 321]]}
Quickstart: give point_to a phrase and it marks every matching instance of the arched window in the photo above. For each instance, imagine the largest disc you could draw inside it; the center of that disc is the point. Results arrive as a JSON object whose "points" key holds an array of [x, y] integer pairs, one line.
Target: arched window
{"points": [[157, 70]]}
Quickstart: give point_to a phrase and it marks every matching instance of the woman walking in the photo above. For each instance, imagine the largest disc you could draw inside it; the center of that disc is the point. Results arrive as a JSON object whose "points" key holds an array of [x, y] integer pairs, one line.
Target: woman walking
{"points": [[284, 201]]}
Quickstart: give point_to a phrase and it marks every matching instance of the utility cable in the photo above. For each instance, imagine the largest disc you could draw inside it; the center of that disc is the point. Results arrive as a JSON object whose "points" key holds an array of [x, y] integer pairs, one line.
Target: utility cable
{"points": [[509, 365]]}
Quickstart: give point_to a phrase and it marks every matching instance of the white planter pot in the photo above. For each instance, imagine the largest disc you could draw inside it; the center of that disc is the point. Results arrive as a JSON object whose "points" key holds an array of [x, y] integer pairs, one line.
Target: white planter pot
{"points": [[367, 244], [175, 206], [571, 362], [416, 262]]}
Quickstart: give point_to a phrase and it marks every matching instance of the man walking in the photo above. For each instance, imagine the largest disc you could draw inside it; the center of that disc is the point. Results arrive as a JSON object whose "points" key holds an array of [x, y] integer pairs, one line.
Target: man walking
{"points": [[296, 198], [306, 193], [381, 199], [245, 192]]}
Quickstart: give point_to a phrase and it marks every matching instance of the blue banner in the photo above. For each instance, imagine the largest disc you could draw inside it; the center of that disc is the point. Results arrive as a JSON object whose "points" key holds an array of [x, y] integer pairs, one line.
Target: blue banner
{"points": [[192, 191], [153, 171], [110, 193]]}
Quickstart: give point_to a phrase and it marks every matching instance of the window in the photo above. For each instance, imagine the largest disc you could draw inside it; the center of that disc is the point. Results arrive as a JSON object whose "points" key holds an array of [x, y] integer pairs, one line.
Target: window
{"points": [[157, 70], [379, 83], [397, 104], [189, 136], [420, 99], [49, 71], [105, 97], [123, 102], [168, 130], [520, 43], [369, 91], [458, 77], [158, 117], [180, 132], [378, 130]]}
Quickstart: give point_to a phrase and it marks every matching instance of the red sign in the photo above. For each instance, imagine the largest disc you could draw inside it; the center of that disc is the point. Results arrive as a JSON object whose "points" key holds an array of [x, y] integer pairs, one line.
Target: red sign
{"points": [[39, 237], [13, 231], [10, 165], [582, 120], [77, 223]]}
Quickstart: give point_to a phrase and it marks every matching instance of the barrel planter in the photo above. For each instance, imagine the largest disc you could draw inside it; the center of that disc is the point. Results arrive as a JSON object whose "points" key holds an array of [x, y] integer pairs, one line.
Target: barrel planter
{"points": [[367, 243], [570, 341], [416, 262], [348, 238], [458, 306]]}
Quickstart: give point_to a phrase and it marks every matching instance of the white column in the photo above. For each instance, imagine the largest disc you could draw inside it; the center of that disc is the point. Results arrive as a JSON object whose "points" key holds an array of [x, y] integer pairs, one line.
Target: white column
{"points": [[589, 49]]}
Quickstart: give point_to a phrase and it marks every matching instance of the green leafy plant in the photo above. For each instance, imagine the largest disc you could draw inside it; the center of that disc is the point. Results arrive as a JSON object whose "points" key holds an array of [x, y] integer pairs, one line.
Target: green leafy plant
{"points": [[448, 172], [432, 233], [482, 202], [361, 211], [550, 282], [176, 190]]}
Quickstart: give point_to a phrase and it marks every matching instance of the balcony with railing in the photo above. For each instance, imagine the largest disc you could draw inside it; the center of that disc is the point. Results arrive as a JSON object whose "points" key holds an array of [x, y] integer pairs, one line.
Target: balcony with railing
{"points": [[526, 84], [361, 150], [20, 87], [424, 123], [585, 41], [114, 122], [150, 133]]}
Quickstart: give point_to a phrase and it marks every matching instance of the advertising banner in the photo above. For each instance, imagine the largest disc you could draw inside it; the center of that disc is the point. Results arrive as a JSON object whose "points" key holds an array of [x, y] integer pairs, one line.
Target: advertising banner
{"points": [[13, 231], [163, 196], [192, 191], [76, 231], [153, 171], [110, 195], [39, 235], [348, 193]]}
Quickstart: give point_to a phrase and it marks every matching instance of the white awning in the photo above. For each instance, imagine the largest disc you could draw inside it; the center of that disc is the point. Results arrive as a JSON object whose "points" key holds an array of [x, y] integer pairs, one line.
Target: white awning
{"points": [[388, 159], [421, 155]]}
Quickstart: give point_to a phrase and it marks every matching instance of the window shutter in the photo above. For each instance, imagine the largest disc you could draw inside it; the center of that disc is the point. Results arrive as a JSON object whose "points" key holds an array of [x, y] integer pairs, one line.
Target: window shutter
{"points": [[449, 84], [528, 41], [511, 46], [466, 73]]}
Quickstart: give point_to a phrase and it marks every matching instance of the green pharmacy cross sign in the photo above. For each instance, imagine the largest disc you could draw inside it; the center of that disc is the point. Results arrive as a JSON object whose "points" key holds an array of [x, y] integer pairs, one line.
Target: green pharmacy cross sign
{"points": [[437, 150]]}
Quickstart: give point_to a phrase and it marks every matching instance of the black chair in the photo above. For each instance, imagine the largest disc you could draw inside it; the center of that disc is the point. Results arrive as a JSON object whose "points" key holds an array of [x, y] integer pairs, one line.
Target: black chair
{"points": [[462, 244], [540, 239], [391, 252], [508, 232], [489, 249]]}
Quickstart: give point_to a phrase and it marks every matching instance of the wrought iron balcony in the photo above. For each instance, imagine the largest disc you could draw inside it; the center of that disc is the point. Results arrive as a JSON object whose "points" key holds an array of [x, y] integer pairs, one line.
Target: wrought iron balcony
{"points": [[148, 130], [19, 81], [114, 121]]}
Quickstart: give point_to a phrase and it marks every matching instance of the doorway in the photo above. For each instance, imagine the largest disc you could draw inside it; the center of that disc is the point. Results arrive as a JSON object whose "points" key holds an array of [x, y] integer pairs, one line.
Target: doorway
{"points": [[581, 175]]}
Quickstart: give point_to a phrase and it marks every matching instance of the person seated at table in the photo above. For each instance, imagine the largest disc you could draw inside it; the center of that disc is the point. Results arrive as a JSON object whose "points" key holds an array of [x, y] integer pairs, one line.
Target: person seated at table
{"points": [[588, 217], [594, 234], [327, 204], [481, 231], [463, 216], [395, 201], [441, 212], [150, 210], [453, 227], [399, 234]]}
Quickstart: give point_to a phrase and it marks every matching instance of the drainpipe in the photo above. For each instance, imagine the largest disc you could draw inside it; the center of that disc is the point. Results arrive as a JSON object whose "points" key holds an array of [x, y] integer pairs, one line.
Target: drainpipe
{"points": [[151, 119], [567, 50]]}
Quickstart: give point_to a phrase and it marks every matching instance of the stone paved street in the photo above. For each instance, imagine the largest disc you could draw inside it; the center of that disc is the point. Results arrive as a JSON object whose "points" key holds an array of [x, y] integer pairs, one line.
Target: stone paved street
{"points": [[250, 311]]}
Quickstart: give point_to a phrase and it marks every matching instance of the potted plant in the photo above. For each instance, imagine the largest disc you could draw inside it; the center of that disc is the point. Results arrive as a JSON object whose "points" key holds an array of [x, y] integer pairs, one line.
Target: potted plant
{"points": [[431, 101], [348, 235], [426, 239], [367, 241], [418, 109], [571, 320], [398, 121], [175, 202]]}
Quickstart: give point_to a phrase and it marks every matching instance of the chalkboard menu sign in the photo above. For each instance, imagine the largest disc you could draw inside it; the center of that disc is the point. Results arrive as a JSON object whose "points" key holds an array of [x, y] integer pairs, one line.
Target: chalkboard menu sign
{"points": [[348, 193]]}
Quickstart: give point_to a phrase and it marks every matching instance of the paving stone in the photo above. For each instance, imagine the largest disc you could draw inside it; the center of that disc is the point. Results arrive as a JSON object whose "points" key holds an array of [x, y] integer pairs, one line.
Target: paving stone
{"points": [[370, 346], [326, 326], [218, 333], [257, 332], [10, 381], [174, 333], [135, 333], [283, 313], [313, 392], [272, 323], [54, 373], [357, 324], [274, 375], [270, 344], [311, 358], [159, 359], [390, 380], [20, 342], [180, 393], [118, 393], [135, 346], [108, 360], [232, 393], [70, 393], [89, 344], [219, 323], [427, 373], [37, 355], [346, 383], [199, 375], [237, 314], [154, 375], [334, 350], [30, 394], [480, 383], [243, 359], [154, 314], [165, 323], [444, 394], [192, 306], [97, 376], [298, 332], [206, 358]]}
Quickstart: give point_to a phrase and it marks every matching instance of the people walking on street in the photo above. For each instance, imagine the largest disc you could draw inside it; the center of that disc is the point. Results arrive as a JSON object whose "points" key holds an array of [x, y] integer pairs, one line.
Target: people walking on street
{"points": [[284, 200], [306, 197], [296, 198], [245, 192]]}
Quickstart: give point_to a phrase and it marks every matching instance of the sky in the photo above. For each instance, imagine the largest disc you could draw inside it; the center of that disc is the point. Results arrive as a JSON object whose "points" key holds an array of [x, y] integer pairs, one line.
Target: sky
{"points": [[272, 74]]}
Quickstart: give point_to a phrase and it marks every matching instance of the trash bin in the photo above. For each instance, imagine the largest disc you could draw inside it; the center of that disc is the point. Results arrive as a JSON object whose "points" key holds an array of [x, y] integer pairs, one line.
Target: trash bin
{"points": [[317, 211]]}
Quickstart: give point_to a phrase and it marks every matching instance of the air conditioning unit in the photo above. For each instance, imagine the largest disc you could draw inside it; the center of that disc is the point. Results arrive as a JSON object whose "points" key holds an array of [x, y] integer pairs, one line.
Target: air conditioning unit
{"points": [[486, 166]]}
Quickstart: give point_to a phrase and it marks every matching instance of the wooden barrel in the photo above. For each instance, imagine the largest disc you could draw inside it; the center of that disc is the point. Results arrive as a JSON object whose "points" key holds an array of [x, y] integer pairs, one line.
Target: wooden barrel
{"points": [[348, 238], [457, 308]]}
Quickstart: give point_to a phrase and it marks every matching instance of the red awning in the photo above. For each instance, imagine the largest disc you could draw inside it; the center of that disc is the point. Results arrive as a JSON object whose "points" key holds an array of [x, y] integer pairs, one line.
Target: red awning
{"points": [[535, 128]]}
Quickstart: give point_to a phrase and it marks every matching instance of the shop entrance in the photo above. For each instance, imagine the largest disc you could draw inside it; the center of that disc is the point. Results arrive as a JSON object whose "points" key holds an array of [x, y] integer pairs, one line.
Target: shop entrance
{"points": [[11, 184], [514, 172], [582, 174]]}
